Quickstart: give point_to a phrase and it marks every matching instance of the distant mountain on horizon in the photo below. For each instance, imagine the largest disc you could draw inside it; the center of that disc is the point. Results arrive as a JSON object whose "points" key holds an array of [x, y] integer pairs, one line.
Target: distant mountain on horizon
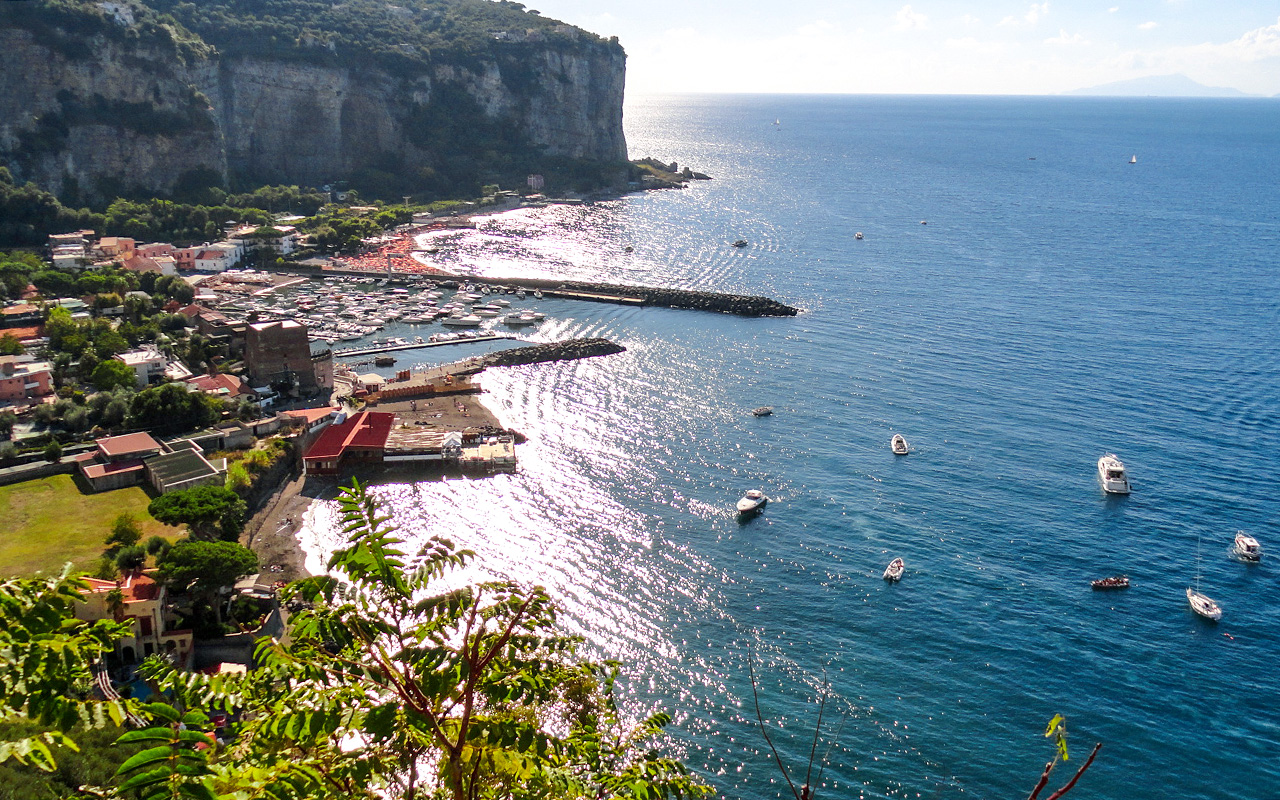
{"points": [[1159, 86]]}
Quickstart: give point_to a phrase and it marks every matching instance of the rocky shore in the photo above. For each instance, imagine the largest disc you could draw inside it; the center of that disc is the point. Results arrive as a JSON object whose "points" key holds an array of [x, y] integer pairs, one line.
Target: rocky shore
{"points": [[740, 304], [555, 351]]}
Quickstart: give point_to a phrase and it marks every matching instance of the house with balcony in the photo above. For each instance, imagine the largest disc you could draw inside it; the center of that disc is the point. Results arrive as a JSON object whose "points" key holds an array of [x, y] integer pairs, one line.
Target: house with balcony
{"points": [[142, 602], [23, 380]]}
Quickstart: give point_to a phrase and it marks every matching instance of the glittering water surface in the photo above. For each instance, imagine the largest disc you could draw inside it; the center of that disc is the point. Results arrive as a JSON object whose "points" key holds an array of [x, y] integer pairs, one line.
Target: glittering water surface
{"points": [[1059, 303]]}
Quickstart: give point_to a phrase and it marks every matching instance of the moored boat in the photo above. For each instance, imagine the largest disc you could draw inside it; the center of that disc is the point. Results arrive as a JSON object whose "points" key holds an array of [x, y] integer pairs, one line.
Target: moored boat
{"points": [[1111, 473], [1247, 547], [763, 411], [898, 444], [894, 571], [1114, 582], [752, 502], [1204, 605]]}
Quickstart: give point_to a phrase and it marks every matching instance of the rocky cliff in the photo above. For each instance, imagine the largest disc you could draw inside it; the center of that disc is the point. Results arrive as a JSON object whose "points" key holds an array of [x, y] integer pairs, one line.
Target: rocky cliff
{"points": [[89, 111]]}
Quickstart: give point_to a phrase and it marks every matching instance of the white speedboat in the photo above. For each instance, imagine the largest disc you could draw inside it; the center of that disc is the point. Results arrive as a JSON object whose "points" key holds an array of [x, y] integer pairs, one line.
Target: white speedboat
{"points": [[752, 502], [1247, 547], [519, 319], [467, 321], [894, 571], [1111, 473], [898, 445], [1203, 605]]}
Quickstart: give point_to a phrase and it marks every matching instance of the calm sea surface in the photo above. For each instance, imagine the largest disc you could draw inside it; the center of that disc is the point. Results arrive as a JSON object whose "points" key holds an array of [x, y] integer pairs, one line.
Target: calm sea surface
{"points": [[1059, 303]]}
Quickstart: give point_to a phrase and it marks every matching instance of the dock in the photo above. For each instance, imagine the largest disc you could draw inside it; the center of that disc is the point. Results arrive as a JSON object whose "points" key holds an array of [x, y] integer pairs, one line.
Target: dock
{"points": [[388, 348]]}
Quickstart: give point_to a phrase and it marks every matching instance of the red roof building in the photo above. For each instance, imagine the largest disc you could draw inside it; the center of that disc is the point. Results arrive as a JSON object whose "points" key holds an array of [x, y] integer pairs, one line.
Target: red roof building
{"points": [[362, 438]]}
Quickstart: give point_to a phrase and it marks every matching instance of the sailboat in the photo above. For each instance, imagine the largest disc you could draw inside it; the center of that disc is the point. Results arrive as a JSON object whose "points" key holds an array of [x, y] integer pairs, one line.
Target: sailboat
{"points": [[1202, 604], [777, 122], [1133, 159]]}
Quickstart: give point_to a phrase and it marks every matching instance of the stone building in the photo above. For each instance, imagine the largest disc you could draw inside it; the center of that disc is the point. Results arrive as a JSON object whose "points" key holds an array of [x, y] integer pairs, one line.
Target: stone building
{"points": [[278, 351]]}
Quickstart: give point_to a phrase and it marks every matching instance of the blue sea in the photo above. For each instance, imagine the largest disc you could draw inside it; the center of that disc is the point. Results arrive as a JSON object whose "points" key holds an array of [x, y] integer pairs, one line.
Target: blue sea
{"points": [[1059, 303]]}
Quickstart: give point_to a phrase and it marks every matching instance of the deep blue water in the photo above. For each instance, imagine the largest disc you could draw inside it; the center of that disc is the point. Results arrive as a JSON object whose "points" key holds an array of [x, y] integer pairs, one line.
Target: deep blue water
{"points": [[1059, 303]]}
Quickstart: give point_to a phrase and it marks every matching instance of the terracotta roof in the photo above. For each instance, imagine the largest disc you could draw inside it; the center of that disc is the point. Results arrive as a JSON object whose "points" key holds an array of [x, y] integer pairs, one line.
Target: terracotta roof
{"points": [[95, 471], [22, 333], [134, 585], [113, 446], [367, 429], [310, 415], [141, 264], [216, 383]]}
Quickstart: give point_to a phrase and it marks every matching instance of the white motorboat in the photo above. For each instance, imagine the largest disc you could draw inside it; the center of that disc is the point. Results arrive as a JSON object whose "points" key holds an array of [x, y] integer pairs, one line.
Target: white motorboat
{"points": [[1247, 547], [894, 571], [898, 445], [1111, 473], [467, 321], [751, 502], [519, 319], [1203, 605]]}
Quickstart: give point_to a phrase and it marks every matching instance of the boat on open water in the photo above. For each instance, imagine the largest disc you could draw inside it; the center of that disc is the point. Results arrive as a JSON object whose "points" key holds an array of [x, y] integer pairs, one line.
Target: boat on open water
{"points": [[898, 444], [1114, 582], [1247, 547], [893, 572], [1111, 473], [753, 502]]}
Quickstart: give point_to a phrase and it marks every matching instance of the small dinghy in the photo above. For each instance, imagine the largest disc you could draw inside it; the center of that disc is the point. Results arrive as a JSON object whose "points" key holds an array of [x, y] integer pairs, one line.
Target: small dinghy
{"points": [[752, 502], [763, 411], [894, 571], [898, 444], [740, 243], [1114, 582]]}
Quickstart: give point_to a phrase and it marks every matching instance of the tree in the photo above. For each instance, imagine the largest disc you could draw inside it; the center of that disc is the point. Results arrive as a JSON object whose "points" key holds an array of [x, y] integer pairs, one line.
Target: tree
{"points": [[171, 408], [46, 672], [53, 452], [7, 420], [10, 346], [157, 546], [210, 511], [125, 532], [131, 559], [113, 374], [203, 568]]}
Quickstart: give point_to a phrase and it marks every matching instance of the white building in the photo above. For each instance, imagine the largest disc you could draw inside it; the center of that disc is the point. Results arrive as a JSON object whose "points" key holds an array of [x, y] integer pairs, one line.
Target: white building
{"points": [[145, 363], [218, 257]]}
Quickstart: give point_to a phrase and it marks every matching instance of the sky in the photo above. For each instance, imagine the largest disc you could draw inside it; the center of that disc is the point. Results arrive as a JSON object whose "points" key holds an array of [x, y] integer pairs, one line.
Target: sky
{"points": [[932, 46]]}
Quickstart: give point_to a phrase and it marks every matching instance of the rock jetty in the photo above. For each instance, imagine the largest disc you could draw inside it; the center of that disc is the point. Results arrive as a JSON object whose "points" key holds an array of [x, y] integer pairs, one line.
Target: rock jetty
{"points": [[740, 304], [556, 351]]}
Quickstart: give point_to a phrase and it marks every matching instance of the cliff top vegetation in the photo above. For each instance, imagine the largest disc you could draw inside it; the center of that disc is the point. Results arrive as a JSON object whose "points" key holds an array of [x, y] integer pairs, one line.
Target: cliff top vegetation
{"points": [[405, 36]]}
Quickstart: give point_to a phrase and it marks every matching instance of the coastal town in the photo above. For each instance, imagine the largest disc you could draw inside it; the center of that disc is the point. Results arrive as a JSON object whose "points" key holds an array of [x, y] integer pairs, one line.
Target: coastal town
{"points": [[235, 368]]}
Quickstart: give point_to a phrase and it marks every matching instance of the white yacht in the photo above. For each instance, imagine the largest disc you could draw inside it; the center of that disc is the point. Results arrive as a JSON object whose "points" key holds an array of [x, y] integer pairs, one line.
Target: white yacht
{"points": [[1247, 547], [517, 318], [1111, 473], [751, 502], [466, 321], [898, 445], [1203, 605]]}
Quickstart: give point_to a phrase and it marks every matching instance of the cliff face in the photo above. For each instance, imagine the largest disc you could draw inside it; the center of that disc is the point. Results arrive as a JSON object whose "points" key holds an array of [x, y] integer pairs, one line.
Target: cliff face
{"points": [[104, 117], [99, 114]]}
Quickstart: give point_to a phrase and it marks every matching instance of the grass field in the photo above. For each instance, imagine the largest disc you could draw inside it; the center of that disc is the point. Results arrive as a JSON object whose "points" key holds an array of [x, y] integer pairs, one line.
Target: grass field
{"points": [[49, 521]]}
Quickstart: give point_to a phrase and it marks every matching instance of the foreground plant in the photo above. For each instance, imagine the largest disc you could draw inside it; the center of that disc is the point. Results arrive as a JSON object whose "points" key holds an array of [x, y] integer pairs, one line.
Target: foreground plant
{"points": [[396, 683]]}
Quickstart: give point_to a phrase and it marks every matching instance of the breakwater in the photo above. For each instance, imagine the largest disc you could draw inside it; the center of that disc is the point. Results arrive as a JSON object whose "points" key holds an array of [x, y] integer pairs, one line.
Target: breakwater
{"points": [[555, 351], [740, 304]]}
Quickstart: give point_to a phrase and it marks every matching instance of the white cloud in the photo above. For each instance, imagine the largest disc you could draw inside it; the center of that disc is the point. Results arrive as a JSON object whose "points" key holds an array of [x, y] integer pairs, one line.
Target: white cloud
{"points": [[1065, 38], [1033, 15], [1148, 26], [1257, 44], [1036, 12], [1113, 9], [969, 19], [907, 18]]}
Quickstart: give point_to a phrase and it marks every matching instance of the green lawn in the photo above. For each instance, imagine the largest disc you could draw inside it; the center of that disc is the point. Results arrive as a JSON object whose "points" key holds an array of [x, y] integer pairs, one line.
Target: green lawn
{"points": [[49, 521]]}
